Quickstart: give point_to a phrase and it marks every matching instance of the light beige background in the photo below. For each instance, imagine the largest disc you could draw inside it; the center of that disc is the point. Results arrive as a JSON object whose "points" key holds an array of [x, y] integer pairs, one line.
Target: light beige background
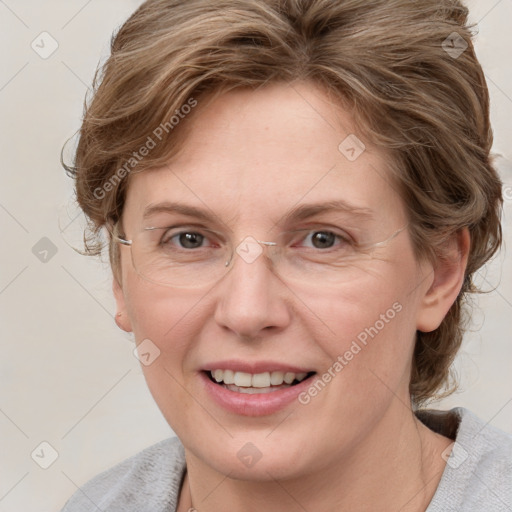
{"points": [[68, 374]]}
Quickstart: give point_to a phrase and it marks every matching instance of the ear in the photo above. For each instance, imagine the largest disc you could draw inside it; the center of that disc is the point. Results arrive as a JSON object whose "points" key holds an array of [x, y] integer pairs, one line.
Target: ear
{"points": [[447, 282], [122, 319]]}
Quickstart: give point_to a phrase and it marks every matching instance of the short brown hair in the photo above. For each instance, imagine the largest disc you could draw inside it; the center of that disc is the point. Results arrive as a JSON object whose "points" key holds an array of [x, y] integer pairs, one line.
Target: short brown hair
{"points": [[402, 67]]}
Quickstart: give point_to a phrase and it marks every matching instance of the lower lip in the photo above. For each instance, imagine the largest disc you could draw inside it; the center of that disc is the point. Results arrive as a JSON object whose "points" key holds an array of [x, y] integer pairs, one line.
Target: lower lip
{"points": [[260, 404]]}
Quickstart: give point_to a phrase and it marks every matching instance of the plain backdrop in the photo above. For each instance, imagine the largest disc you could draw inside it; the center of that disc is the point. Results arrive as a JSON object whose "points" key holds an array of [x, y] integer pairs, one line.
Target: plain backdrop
{"points": [[69, 377]]}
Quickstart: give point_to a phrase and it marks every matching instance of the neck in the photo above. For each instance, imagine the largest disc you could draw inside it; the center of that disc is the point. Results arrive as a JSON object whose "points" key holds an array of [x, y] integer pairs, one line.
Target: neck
{"points": [[397, 466]]}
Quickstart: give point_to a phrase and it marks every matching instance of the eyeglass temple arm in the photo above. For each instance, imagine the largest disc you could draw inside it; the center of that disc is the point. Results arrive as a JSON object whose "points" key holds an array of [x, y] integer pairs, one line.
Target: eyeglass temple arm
{"points": [[118, 238], [394, 235], [123, 241]]}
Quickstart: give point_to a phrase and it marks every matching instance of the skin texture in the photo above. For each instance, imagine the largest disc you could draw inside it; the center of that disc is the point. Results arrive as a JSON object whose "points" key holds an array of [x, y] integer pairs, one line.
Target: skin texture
{"points": [[252, 156]]}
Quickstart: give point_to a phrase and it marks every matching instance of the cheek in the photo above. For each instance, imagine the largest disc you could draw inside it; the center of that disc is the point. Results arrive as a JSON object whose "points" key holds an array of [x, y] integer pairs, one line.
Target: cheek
{"points": [[367, 357], [170, 322], [370, 325], [158, 313]]}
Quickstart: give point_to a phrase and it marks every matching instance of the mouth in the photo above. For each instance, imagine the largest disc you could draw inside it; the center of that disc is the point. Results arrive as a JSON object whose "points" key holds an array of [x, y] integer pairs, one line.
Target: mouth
{"points": [[256, 383], [255, 388]]}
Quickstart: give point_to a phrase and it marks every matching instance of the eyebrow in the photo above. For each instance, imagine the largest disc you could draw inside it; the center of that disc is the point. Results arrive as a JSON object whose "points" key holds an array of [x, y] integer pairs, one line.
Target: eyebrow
{"points": [[300, 212], [305, 211]]}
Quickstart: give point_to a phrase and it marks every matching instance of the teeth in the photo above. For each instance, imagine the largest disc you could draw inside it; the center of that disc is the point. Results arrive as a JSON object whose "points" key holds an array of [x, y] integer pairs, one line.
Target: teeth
{"points": [[229, 377], [243, 379], [256, 380], [255, 391], [289, 377], [276, 378], [261, 380]]}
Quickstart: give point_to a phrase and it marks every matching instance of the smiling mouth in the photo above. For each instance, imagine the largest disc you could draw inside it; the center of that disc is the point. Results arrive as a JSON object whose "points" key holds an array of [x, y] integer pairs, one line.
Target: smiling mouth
{"points": [[255, 383]]}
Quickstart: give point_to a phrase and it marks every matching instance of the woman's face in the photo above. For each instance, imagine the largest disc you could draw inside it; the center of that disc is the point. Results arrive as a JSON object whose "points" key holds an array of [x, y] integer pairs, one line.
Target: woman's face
{"points": [[251, 158]]}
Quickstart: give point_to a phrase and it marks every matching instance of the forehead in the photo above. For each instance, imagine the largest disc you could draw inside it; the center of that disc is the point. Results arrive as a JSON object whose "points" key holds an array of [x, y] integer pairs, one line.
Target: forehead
{"points": [[255, 155]]}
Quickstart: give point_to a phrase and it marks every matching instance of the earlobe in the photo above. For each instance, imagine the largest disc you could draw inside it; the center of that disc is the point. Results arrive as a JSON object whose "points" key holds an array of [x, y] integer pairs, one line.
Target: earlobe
{"points": [[447, 282], [122, 320]]}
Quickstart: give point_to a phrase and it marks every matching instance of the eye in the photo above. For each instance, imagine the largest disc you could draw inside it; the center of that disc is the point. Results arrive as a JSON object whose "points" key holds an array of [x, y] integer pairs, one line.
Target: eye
{"points": [[184, 240], [189, 240], [325, 239]]}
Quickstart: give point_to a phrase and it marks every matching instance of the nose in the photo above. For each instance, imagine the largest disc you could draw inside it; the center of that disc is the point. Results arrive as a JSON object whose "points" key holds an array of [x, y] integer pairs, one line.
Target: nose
{"points": [[252, 298]]}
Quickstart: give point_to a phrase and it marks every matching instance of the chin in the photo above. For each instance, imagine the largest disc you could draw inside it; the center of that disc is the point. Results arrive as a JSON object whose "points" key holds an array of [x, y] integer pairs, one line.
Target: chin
{"points": [[253, 458]]}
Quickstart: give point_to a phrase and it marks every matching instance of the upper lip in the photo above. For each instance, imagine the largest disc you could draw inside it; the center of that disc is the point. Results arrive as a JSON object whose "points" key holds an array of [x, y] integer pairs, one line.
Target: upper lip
{"points": [[254, 366]]}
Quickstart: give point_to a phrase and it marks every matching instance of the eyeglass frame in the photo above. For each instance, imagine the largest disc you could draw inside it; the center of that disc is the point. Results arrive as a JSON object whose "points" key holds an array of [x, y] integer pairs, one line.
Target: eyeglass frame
{"points": [[129, 243]]}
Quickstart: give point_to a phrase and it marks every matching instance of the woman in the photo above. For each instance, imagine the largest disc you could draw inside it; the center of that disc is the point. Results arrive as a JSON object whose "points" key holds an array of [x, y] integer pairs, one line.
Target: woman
{"points": [[297, 195]]}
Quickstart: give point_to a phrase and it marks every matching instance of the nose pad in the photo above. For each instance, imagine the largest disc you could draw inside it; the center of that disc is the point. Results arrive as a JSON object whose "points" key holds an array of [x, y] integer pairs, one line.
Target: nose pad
{"points": [[249, 249]]}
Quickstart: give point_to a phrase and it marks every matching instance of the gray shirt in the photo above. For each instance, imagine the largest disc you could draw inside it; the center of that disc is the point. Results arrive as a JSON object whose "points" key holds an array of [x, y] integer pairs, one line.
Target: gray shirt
{"points": [[477, 476]]}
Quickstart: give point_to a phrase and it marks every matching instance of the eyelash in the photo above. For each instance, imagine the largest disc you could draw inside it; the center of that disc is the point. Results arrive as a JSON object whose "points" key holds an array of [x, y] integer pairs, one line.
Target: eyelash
{"points": [[342, 238]]}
